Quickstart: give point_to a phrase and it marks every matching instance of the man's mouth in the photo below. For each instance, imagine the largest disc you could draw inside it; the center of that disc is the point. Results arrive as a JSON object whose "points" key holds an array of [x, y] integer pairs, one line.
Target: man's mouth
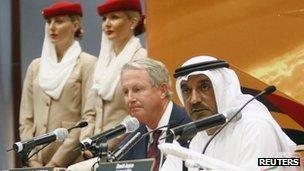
{"points": [[200, 113], [134, 109], [198, 110]]}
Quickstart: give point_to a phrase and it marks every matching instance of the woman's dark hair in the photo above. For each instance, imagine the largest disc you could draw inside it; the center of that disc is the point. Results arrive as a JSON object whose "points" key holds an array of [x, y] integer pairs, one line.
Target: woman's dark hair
{"points": [[79, 32], [140, 28]]}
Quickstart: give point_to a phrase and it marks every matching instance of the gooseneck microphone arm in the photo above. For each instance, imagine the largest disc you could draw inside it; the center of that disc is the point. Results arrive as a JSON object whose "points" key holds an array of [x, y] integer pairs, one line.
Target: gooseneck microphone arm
{"points": [[121, 151], [118, 154], [79, 125], [129, 124], [267, 90], [184, 133]]}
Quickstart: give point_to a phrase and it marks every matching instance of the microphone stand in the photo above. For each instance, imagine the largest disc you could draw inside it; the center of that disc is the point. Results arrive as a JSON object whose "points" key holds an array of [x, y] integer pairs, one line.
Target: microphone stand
{"points": [[25, 153], [24, 157], [102, 149], [38, 150], [99, 149]]}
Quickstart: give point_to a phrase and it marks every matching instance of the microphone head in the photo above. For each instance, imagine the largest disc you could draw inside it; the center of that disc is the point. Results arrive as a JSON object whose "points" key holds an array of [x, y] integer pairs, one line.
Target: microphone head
{"points": [[82, 124], [61, 133], [86, 142], [270, 89], [17, 147], [131, 124]]}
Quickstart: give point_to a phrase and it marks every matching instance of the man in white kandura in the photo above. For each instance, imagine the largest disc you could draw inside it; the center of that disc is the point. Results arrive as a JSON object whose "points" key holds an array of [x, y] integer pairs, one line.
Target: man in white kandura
{"points": [[205, 91]]}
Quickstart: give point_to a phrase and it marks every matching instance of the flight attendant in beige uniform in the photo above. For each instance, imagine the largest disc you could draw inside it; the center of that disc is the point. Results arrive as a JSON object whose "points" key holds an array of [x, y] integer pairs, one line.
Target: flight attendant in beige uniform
{"points": [[122, 21], [55, 85]]}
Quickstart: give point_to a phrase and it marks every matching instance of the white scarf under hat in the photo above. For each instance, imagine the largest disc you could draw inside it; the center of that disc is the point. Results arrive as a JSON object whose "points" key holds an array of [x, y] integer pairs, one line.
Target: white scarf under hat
{"points": [[53, 75], [228, 96], [107, 72]]}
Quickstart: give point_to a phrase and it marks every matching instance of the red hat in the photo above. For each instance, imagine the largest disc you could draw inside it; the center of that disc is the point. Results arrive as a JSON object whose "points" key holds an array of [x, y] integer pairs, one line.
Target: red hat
{"points": [[117, 5], [62, 8]]}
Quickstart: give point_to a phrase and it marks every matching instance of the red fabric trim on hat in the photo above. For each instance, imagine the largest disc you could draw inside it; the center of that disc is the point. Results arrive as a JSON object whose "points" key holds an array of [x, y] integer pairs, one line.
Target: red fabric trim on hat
{"points": [[117, 5], [62, 8]]}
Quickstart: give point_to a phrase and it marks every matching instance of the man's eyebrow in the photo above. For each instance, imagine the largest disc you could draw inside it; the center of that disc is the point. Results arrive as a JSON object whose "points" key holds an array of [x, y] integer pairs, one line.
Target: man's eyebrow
{"points": [[183, 84], [204, 80]]}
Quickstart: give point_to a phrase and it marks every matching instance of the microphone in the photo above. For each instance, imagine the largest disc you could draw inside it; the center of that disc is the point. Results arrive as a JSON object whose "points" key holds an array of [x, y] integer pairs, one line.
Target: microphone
{"points": [[122, 150], [128, 125], [117, 155], [57, 134], [187, 131], [267, 90], [79, 125]]}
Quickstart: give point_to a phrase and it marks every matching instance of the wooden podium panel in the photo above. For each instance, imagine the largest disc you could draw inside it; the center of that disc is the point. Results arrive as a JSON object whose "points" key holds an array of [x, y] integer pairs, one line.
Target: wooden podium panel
{"points": [[130, 165]]}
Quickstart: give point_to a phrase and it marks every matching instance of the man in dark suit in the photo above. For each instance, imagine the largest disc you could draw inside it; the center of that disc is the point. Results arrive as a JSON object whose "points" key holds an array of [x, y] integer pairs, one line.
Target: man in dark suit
{"points": [[178, 117], [147, 93]]}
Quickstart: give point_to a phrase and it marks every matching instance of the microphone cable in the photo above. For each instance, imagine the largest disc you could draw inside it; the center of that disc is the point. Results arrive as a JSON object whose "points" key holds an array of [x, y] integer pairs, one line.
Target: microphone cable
{"points": [[268, 90], [169, 125]]}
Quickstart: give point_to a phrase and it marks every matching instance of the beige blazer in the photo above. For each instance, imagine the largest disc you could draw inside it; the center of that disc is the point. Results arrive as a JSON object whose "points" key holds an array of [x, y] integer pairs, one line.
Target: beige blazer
{"points": [[40, 114], [103, 115]]}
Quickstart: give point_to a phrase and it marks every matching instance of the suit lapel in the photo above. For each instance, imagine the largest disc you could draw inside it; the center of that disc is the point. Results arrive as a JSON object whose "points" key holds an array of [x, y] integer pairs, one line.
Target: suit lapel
{"points": [[176, 118], [140, 149]]}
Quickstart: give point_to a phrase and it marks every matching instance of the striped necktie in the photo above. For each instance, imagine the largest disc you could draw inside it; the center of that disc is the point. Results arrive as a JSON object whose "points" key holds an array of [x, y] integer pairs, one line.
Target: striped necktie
{"points": [[153, 151]]}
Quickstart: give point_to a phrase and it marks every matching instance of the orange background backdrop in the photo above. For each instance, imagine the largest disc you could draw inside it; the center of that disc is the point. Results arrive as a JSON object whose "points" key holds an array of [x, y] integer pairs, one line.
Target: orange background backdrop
{"points": [[263, 40]]}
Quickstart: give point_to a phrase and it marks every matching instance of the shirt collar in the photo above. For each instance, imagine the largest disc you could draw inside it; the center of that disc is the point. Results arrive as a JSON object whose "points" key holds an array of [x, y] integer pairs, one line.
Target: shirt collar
{"points": [[164, 120]]}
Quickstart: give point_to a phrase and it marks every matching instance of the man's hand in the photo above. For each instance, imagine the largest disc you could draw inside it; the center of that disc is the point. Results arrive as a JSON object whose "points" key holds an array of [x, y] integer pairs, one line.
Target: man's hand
{"points": [[34, 163], [87, 154]]}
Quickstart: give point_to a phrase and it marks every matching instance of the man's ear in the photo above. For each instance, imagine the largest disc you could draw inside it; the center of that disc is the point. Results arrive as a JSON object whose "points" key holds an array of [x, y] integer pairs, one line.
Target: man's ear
{"points": [[165, 88]]}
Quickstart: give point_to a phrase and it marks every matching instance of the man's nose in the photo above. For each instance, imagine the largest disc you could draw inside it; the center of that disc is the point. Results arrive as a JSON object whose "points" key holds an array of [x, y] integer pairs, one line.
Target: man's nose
{"points": [[195, 97], [130, 98]]}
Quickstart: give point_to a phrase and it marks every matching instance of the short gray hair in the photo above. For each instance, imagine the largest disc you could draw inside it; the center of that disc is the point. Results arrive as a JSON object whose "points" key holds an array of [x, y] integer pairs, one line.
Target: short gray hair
{"points": [[157, 71]]}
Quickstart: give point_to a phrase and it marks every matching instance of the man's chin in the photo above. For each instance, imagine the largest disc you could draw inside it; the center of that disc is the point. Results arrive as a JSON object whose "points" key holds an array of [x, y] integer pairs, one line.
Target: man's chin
{"points": [[136, 114]]}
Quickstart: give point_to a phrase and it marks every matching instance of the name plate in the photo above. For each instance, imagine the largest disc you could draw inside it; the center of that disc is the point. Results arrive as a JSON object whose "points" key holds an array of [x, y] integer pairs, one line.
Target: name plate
{"points": [[38, 169], [129, 165]]}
